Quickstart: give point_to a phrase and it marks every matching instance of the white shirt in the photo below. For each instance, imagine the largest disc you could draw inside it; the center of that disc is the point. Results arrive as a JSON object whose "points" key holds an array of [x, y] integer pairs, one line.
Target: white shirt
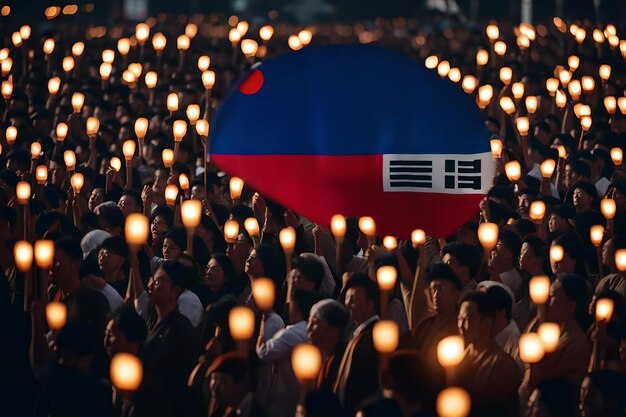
{"points": [[513, 280], [190, 306], [508, 340], [282, 343], [113, 297]]}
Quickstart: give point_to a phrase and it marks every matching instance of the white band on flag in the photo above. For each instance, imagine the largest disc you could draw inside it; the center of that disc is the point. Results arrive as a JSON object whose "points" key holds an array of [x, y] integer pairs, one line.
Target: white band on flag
{"points": [[438, 173]]}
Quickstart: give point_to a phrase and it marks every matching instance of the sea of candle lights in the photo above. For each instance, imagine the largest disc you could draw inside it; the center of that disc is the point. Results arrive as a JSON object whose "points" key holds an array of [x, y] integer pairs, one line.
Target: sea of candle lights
{"points": [[583, 92]]}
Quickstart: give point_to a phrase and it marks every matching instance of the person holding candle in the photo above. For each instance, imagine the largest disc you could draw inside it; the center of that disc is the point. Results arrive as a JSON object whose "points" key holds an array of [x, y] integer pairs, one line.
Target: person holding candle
{"points": [[573, 261], [489, 374], [503, 261], [464, 259], [283, 392], [130, 202], [112, 262], [614, 280], [218, 278], [327, 322], [356, 383]]}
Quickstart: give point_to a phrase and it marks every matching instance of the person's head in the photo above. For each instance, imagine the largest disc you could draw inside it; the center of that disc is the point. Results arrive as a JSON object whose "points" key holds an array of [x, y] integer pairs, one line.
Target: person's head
{"points": [[463, 258], [407, 377], [362, 298], [553, 398], [327, 320], [444, 287], [130, 202], [162, 219], [534, 256], [569, 299], [160, 181], [307, 272], [110, 218], [301, 303], [476, 317], [219, 271], [576, 170], [263, 262], [113, 254], [174, 243], [75, 345], [125, 332], [608, 253], [229, 378], [584, 195], [602, 394], [501, 297], [573, 255], [506, 253], [67, 260], [167, 284]]}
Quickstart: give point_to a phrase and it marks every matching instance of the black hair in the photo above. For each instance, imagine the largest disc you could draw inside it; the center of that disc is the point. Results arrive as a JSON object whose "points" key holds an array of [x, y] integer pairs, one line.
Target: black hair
{"points": [[441, 271], [372, 292], [178, 235], [465, 254], [219, 243], [576, 290], [130, 324], [511, 241], [232, 365], [226, 264], [559, 396], [304, 300], [486, 306], [117, 245], [501, 299], [310, 267], [135, 196], [112, 215], [165, 212], [70, 246]]}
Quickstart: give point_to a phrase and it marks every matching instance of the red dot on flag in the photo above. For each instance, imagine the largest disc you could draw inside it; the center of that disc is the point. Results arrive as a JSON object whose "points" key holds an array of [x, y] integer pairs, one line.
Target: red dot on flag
{"points": [[253, 83]]}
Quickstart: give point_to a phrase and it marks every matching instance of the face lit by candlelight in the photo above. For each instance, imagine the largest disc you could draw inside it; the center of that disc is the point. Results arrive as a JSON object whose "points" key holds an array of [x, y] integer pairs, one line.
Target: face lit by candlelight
{"points": [[566, 265], [582, 200], [214, 275], [160, 181], [109, 261], [159, 225], [128, 205], [95, 198], [608, 255], [170, 249], [444, 295], [361, 308], [254, 267], [560, 307], [161, 289], [472, 326]]}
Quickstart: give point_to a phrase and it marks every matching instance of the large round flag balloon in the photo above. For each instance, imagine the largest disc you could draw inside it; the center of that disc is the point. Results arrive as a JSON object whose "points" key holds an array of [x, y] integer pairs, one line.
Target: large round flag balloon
{"points": [[359, 131]]}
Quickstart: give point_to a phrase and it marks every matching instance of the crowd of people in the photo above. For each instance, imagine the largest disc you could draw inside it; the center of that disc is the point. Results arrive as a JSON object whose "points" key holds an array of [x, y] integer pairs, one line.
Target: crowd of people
{"points": [[76, 162]]}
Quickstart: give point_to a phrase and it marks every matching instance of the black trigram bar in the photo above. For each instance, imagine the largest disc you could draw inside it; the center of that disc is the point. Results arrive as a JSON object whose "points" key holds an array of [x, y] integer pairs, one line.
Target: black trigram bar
{"points": [[411, 174]]}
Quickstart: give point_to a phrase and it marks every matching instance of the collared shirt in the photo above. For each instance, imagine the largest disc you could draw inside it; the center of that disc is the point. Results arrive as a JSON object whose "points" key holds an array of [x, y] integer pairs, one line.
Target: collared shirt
{"points": [[363, 325]]}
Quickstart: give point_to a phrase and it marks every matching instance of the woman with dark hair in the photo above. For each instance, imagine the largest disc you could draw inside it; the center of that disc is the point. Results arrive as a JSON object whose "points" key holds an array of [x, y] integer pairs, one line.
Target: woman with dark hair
{"points": [[218, 279], [263, 261], [534, 259], [162, 219], [212, 236]]}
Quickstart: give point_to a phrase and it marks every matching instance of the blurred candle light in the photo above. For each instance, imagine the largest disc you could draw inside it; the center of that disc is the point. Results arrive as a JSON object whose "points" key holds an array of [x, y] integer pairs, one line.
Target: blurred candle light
{"points": [[482, 57], [588, 84], [390, 243], [531, 104], [76, 181], [488, 235], [306, 362], [552, 85], [116, 163], [231, 231], [241, 323], [48, 46], [204, 62], [531, 349], [305, 36], [573, 62], [443, 68], [93, 125], [208, 79], [183, 181], [35, 150], [585, 123], [496, 148], [367, 226], [126, 372], [151, 79], [513, 170], [610, 103], [556, 253], [108, 56], [69, 157], [249, 47], [450, 351], [136, 229], [123, 46], [604, 72], [44, 253], [171, 193], [287, 238], [183, 42], [500, 48], [266, 32], [191, 214], [6, 66], [604, 309], [617, 155], [506, 74], [235, 187], [23, 255], [523, 125], [539, 289], [386, 336], [105, 70], [621, 103], [549, 333], [128, 149], [386, 276], [202, 128], [11, 134], [234, 36], [158, 42], [518, 90], [179, 130], [561, 99], [547, 168], [418, 237], [41, 174], [485, 94], [620, 259], [54, 84], [537, 210], [141, 127], [453, 402], [506, 103], [608, 208], [78, 48], [574, 88], [431, 62], [338, 227], [469, 84], [193, 113], [596, 234], [16, 38], [492, 32], [22, 192], [56, 315], [251, 225], [263, 293], [142, 33], [168, 157], [78, 99], [6, 89], [172, 102]]}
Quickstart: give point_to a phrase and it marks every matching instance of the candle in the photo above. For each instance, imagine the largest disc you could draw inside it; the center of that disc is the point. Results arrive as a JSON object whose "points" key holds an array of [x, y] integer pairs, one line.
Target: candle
{"points": [[61, 131], [531, 348], [193, 113], [172, 102], [469, 84], [70, 159], [126, 372], [35, 150], [67, 64], [78, 99], [549, 333], [23, 255], [585, 123], [191, 213], [48, 46], [485, 94], [204, 62], [183, 181], [105, 70], [41, 174], [136, 229], [142, 32], [443, 68], [202, 128], [561, 99], [252, 226], [128, 149], [573, 61], [608, 208], [610, 103], [44, 253], [54, 84], [306, 361], [264, 293], [56, 315], [604, 309], [338, 227], [556, 253], [183, 42], [518, 90], [141, 127], [11, 134], [513, 170], [596, 234], [605, 72], [76, 181], [294, 43], [6, 65], [367, 226], [620, 259], [179, 129], [482, 57], [151, 79], [453, 402], [493, 32], [506, 73], [241, 323], [231, 231], [539, 289], [621, 103], [235, 187], [488, 235], [450, 351], [287, 237], [171, 193], [6, 88], [537, 210], [78, 48], [617, 155], [108, 56], [305, 36], [159, 41], [386, 336], [208, 79], [547, 168], [22, 192], [123, 46], [390, 243], [93, 125], [531, 104], [418, 237], [500, 48], [168, 157], [523, 125], [588, 83], [249, 47], [552, 85], [386, 277], [266, 32], [116, 163], [506, 103]]}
